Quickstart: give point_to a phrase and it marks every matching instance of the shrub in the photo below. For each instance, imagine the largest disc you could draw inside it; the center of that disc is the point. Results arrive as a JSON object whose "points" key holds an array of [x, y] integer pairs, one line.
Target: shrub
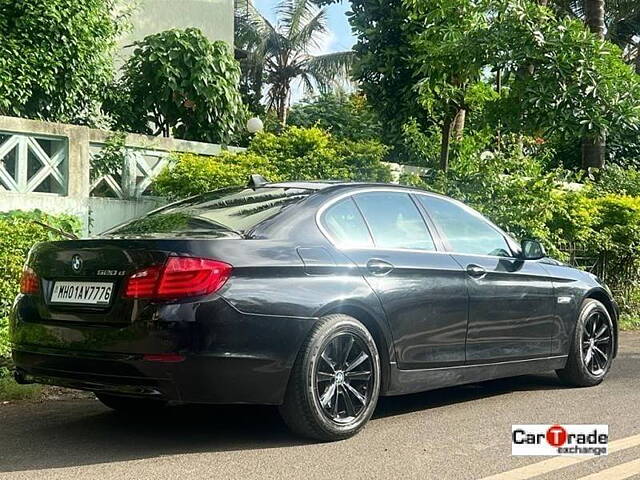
{"points": [[18, 234], [615, 179], [296, 154], [190, 174], [183, 84]]}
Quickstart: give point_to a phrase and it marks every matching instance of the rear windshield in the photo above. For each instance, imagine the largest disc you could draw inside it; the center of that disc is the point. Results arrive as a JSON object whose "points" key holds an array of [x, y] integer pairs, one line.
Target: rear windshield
{"points": [[232, 210]]}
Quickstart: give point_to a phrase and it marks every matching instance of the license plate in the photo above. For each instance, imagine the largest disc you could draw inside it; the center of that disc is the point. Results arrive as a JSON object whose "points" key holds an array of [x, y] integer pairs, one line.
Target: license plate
{"points": [[83, 293]]}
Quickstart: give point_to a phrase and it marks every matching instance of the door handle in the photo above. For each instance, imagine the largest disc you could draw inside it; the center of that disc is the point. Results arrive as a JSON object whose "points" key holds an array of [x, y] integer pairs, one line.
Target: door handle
{"points": [[379, 267], [476, 271]]}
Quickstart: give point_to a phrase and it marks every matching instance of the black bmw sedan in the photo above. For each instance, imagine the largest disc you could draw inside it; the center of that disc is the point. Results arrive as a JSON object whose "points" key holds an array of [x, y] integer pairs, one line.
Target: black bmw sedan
{"points": [[316, 297]]}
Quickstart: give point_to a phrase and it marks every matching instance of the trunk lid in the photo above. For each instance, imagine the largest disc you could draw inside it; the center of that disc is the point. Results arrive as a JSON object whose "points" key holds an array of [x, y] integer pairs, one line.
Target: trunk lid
{"points": [[94, 263]]}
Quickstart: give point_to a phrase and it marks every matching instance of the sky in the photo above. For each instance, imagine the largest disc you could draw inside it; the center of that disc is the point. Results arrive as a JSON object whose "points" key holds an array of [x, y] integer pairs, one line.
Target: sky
{"points": [[338, 37]]}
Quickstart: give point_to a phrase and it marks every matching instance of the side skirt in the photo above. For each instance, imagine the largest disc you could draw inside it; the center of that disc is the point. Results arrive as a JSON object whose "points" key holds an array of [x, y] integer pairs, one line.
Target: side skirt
{"points": [[412, 381]]}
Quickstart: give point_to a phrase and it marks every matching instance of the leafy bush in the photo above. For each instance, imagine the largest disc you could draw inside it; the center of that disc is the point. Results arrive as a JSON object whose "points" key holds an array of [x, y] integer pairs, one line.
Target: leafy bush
{"points": [[190, 174], [183, 84], [18, 234], [296, 154], [615, 179], [56, 57], [344, 116]]}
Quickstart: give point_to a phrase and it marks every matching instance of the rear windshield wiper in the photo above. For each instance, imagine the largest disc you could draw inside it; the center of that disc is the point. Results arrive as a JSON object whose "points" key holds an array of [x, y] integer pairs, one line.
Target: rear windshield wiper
{"points": [[62, 233]]}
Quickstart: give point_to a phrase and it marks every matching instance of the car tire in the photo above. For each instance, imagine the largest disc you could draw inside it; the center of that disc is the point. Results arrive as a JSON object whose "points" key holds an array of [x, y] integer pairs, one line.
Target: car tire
{"points": [[130, 404], [335, 382], [592, 348]]}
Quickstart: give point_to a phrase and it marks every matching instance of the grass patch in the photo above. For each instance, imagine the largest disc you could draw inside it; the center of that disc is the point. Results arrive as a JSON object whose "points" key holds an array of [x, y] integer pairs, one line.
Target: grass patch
{"points": [[11, 391], [629, 322]]}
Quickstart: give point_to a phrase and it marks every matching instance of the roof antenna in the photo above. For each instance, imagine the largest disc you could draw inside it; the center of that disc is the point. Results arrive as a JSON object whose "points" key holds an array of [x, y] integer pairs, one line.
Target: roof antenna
{"points": [[257, 181]]}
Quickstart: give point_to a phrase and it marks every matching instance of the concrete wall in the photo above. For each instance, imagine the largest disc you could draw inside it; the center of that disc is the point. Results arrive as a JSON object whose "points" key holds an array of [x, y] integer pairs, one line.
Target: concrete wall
{"points": [[213, 17], [97, 213], [105, 213]]}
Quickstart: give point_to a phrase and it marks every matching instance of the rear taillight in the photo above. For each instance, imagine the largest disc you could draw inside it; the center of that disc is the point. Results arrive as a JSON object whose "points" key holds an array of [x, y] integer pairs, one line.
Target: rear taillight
{"points": [[29, 283], [180, 277]]}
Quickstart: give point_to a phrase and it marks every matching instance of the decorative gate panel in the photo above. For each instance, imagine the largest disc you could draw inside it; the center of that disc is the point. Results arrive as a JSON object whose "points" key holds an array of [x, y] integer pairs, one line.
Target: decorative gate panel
{"points": [[134, 178], [33, 164]]}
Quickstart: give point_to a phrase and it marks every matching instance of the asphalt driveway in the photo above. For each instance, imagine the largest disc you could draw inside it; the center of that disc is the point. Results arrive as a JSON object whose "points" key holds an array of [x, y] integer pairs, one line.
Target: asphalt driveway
{"points": [[457, 433]]}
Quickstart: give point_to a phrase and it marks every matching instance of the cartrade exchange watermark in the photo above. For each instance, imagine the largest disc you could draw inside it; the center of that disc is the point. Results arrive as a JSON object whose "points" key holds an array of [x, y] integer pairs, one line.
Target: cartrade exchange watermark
{"points": [[545, 440]]}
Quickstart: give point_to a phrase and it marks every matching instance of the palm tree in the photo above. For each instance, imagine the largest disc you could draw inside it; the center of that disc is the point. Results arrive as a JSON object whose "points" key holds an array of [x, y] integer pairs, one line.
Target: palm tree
{"points": [[279, 54]]}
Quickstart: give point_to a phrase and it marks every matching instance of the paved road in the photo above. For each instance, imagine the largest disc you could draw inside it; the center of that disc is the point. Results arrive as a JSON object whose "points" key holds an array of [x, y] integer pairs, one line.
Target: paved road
{"points": [[456, 433]]}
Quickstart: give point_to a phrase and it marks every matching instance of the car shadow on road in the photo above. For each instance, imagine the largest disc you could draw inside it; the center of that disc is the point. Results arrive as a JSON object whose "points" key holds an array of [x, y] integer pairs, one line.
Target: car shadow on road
{"points": [[391, 406], [83, 432]]}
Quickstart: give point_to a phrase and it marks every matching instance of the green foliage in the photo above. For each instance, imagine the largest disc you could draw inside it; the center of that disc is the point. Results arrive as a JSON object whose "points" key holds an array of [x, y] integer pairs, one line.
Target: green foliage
{"points": [[181, 83], [112, 156], [189, 175], [344, 116], [296, 154], [383, 67], [563, 80], [615, 179], [56, 57], [18, 234], [419, 61], [11, 391]]}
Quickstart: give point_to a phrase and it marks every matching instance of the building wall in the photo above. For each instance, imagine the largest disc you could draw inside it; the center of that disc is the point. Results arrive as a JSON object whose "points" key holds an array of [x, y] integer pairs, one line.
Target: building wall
{"points": [[213, 17]]}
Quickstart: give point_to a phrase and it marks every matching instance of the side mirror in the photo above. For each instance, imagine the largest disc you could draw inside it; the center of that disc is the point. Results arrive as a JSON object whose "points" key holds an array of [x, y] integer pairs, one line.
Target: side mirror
{"points": [[532, 250]]}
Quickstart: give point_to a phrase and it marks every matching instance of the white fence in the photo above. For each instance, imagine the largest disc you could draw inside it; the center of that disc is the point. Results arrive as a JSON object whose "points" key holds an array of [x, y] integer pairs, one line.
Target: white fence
{"points": [[46, 166]]}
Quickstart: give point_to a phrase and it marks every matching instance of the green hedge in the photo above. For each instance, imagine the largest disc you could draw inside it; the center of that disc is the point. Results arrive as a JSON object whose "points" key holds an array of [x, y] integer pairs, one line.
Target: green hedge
{"points": [[296, 154], [18, 234]]}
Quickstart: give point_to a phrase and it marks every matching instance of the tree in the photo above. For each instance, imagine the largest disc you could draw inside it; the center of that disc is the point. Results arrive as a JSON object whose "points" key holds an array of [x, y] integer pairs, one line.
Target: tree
{"points": [[594, 143], [621, 19], [56, 56], [278, 55], [576, 85], [347, 116], [180, 82], [432, 60], [383, 68], [445, 76]]}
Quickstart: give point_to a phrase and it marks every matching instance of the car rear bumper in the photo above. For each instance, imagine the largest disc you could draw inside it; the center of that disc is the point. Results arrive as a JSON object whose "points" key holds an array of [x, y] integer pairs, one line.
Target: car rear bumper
{"points": [[197, 379], [228, 356]]}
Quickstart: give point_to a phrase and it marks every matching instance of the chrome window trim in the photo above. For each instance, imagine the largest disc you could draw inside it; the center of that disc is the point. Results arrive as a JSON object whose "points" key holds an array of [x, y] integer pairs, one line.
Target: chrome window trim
{"points": [[351, 194], [407, 191]]}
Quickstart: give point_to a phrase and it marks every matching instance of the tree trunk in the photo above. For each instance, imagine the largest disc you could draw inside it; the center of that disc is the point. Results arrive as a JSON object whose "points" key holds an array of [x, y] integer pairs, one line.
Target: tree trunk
{"points": [[282, 104], [594, 143], [638, 58], [459, 123], [593, 151], [594, 16], [445, 147]]}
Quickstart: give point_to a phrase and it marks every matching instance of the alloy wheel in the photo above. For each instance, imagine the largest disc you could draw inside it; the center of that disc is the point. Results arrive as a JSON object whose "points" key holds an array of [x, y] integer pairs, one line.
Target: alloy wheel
{"points": [[597, 343], [344, 378]]}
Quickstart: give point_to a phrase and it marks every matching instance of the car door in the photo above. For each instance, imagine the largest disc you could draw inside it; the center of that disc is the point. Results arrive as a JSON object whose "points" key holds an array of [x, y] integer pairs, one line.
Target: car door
{"points": [[422, 290], [511, 301]]}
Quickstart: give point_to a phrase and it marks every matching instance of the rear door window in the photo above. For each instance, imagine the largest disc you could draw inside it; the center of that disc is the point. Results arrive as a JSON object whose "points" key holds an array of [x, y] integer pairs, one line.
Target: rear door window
{"points": [[346, 226], [395, 221]]}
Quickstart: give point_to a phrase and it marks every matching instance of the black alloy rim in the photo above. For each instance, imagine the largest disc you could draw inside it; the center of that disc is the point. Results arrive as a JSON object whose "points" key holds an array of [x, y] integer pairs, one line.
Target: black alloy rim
{"points": [[597, 343], [344, 378]]}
